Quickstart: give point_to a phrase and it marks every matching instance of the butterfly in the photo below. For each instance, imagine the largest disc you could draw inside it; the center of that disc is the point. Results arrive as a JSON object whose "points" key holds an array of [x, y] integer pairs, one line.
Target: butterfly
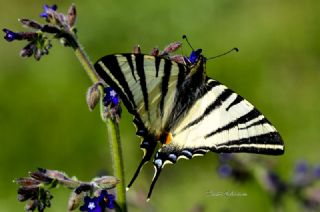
{"points": [[188, 113]]}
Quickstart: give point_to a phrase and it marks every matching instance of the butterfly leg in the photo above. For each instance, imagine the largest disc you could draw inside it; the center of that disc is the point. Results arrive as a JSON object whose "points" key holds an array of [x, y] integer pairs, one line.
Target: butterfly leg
{"points": [[148, 147]]}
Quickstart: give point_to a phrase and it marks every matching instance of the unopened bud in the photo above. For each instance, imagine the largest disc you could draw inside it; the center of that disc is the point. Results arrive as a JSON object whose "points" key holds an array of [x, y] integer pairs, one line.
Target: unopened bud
{"points": [[106, 182], [72, 15], [31, 205], [30, 23], [27, 182], [155, 52], [41, 176], [136, 49], [93, 95], [37, 54], [28, 50], [74, 200], [172, 47], [178, 59], [62, 178], [50, 29]]}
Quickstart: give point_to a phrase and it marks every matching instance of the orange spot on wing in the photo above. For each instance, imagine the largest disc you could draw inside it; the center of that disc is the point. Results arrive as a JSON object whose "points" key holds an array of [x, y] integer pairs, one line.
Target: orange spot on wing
{"points": [[168, 138]]}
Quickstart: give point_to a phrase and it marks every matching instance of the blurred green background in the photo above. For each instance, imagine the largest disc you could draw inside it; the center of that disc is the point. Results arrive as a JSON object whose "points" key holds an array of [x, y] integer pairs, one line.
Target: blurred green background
{"points": [[44, 120]]}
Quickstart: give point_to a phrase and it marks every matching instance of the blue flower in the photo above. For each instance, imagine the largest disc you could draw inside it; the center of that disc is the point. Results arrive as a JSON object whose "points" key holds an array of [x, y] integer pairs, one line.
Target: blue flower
{"points": [[106, 200], [111, 97], [98, 204], [46, 9], [302, 175], [225, 170], [194, 56], [316, 172], [91, 205], [11, 36], [274, 183]]}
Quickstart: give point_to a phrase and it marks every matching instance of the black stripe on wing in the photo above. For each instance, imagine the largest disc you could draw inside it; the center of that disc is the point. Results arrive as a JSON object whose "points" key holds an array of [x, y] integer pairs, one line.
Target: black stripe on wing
{"points": [[270, 143], [165, 83], [142, 76], [235, 102], [213, 106], [129, 59], [256, 123], [254, 113]]}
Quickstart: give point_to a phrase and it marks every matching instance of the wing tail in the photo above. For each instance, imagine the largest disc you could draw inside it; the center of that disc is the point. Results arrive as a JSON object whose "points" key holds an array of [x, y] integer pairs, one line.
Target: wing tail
{"points": [[158, 164], [148, 148]]}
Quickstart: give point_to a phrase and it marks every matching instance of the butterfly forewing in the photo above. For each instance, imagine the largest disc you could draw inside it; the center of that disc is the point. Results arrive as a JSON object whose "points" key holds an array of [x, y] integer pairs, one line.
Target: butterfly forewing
{"points": [[146, 84]]}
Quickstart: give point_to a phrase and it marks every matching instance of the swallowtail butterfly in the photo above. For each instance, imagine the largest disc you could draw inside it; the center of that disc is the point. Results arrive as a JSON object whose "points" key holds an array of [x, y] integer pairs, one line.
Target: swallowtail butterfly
{"points": [[188, 113]]}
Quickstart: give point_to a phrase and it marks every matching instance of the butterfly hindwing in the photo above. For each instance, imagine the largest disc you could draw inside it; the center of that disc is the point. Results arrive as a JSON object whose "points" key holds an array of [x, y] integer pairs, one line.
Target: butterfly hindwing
{"points": [[223, 121]]}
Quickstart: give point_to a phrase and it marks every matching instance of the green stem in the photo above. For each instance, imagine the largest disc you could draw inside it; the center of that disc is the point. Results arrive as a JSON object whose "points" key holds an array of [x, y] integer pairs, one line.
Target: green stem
{"points": [[115, 145], [112, 128]]}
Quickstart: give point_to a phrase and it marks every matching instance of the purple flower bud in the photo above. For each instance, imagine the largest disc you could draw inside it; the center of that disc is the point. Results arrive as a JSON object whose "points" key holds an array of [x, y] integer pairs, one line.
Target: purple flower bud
{"points": [[27, 182], [136, 49], [47, 9], [155, 52], [11, 36], [30, 23], [172, 47], [50, 29], [178, 59]]}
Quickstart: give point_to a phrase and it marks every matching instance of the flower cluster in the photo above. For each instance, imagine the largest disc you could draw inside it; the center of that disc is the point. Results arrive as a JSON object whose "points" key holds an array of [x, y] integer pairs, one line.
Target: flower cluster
{"points": [[303, 185], [35, 189], [59, 25]]}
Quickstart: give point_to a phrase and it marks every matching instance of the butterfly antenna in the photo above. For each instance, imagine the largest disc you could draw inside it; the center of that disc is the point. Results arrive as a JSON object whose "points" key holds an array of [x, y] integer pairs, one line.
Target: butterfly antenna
{"points": [[185, 37], [231, 50]]}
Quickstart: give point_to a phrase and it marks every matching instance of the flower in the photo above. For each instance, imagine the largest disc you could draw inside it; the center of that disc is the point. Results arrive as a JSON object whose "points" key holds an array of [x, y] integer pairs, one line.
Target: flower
{"points": [[194, 56], [91, 205], [98, 204], [316, 172], [106, 199], [11, 36], [47, 10], [111, 97]]}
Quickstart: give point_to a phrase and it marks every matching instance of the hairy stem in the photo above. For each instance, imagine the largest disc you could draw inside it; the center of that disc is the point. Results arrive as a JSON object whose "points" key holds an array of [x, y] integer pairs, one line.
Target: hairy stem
{"points": [[112, 128], [115, 146]]}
